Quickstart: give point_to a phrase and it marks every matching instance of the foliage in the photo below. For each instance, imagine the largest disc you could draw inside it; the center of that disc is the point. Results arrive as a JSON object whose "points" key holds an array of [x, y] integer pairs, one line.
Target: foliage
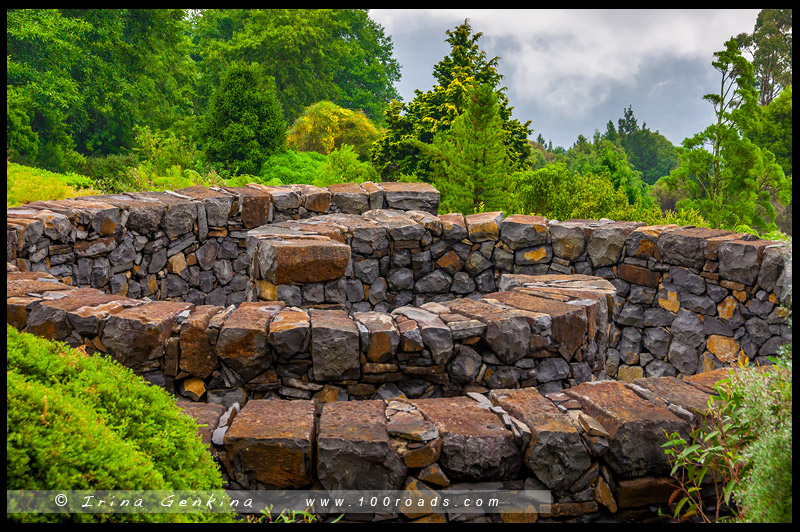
{"points": [[725, 176], [343, 166], [173, 178], [25, 184], [88, 76], [244, 124], [290, 167], [340, 55], [770, 46], [397, 150], [113, 173], [161, 150], [557, 193], [744, 449], [605, 157], [84, 422], [469, 161], [649, 151], [324, 127]]}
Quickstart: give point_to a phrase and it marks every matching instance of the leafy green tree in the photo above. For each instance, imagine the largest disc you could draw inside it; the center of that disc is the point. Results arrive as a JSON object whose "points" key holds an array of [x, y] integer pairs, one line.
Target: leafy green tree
{"points": [[89, 76], [244, 124], [432, 112], [469, 161], [774, 132], [727, 177], [610, 159], [340, 55], [770, 46], [648, 151], [324, 127]]}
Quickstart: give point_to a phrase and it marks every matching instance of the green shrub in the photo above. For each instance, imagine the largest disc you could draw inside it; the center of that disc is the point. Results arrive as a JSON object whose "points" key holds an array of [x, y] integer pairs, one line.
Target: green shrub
{"points": [[113, 173], [343, 166], [75, 421], [161, 150], [744, 452], [25, 184], [290, 167], [244, 124]]}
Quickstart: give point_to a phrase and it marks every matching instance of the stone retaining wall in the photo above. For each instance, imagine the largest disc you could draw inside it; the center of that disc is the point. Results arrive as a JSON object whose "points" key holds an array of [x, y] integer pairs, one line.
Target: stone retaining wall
{"points": [[686, 299], [479, 348], [596, 447]]}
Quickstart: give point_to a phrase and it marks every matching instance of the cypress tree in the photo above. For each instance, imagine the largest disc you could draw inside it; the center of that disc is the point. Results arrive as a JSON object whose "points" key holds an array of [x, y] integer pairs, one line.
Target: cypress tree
{"points": [[244, 124]]}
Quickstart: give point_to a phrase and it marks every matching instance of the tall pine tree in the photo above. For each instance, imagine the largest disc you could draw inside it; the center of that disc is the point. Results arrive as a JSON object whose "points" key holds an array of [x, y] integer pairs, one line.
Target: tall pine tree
{"points": [[470, 162], [434, 111]]}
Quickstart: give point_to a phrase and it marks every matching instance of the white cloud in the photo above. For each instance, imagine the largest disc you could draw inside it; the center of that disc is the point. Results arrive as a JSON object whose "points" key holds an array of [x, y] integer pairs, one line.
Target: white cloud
{"points": [[571, 60]]}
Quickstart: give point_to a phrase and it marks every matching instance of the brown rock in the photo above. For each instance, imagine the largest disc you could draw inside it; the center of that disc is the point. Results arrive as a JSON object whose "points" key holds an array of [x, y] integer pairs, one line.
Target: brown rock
{"points": [[636, 427], [644, 491], [290, 332], [198, 356], [638, 275], [273, 441], [334, 346], [484, 226], [555, 452], [242, 341], [301, 261], [206, 415], [382, 336], [354, 450], [136, 335], [475, 443]]}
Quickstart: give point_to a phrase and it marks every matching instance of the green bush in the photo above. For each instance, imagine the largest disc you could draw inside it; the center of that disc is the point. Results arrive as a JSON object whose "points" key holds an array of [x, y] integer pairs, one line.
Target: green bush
{"points": [[290, 167], [162, 150], [343, 166], [76, 422], [244, 124], [113, 173], [743, 454], [25, 184]]}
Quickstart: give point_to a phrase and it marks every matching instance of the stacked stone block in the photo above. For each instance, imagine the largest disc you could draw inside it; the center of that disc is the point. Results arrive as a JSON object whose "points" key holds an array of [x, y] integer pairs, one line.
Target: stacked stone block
{"points": [[596, 447]]}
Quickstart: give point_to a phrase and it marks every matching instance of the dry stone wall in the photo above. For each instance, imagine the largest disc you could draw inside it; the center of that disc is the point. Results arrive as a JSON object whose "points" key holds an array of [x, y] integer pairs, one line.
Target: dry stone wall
{"points": [[479, 347], [596, 447], [346, 290]]}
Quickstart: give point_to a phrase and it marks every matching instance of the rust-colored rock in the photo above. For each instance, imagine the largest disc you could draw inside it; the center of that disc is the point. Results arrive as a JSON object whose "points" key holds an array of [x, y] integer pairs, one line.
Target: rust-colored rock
{"points": [[382, 337], [638, 492], [136, 335], [636, 426], [206, 415], [570, 322], [354, 450], [475, 443], [638, 275], [198, 356], [242, 341], [484, 226], [302, 261], [272, 440], [555, 452]]}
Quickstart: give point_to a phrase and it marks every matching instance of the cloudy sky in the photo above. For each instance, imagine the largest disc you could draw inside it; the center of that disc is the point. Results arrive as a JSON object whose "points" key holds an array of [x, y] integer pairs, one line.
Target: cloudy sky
{"points": [[571, 71]]}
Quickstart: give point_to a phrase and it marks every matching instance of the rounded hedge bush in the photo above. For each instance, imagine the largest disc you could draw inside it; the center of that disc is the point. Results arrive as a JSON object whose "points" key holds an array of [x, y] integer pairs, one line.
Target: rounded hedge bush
{"points": [[80, 422]]}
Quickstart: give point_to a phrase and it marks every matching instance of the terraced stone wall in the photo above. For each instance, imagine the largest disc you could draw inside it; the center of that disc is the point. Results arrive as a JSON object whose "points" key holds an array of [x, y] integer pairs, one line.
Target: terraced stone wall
{"points": [[596, 448], [479, 348], [412, 303]]}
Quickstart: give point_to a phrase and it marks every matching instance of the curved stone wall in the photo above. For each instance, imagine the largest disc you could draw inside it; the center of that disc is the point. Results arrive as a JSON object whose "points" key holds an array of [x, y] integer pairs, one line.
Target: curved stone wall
{"points": [[479, 347]]}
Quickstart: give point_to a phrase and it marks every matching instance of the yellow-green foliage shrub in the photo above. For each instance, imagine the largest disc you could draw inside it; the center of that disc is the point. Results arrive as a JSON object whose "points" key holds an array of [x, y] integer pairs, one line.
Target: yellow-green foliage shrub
{"points": [[324, 127], [80, 422], [25, 184]]}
